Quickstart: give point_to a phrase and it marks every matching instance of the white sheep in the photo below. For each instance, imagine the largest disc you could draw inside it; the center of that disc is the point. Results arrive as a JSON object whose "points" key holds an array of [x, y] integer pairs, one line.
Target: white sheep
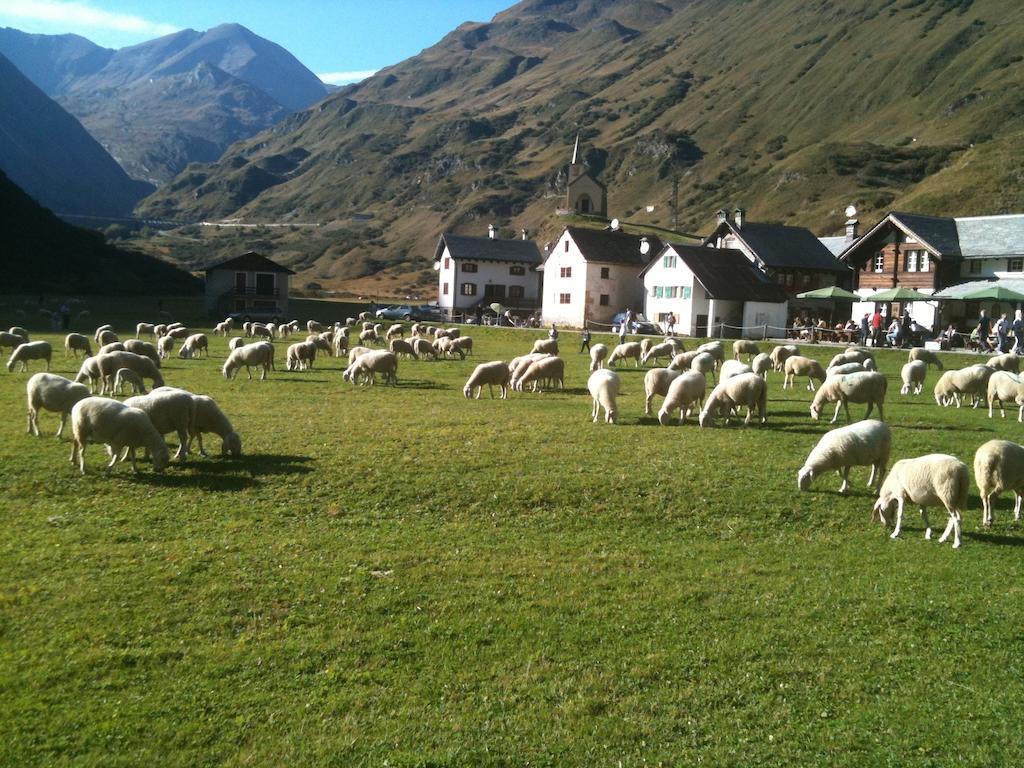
{"points": [[341, 342], [164, 346], [221, 329], [972, 380], [300, 356], [356, 352], [256, 331], [664, 349], [630, 349], [142, 328], [684, 393], [844, 368], [704, 363], [926, 481], [131, 378], [865, 443], [547, 371], [91, 371], [121, 427], [100, 330], [114, 346], [863, 387], [423, 348], [313, 326], [12, 340], [926, 356], [259, 353], [494, 373], [366, 367], [30, 350], [546, 346], [159, 330], [194, 345], [761, 364], [1004, 386], [656, 382], [106, 336], [797, 365], [396, 331], [747, 389], [75, 343], [235, 342], [378, 328], [181, 332], [445, 346], [859, 355], [779, 355], [1007, 362], [170, 410], [463, 344], [598, 354], [143, 348], [520, 365], [210, 418], [744, 347], [603, 386], [47, 391], [368, 337], [912, 375], [110, 362], [682, 360], [716, 349], [999, 467], [732, 368], [17, 330], [402, 347]]}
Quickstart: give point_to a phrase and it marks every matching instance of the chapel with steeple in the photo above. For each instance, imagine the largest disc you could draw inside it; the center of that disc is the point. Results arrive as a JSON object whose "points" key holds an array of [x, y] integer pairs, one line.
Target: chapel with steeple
{"points": [[585, 194]]}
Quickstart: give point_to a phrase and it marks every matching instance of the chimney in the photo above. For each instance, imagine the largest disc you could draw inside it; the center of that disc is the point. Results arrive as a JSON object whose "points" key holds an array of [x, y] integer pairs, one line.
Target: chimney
{"points": [[740, 214], [852, 225], [490, 231], [723, 216], [523, 233], [645, 247]]}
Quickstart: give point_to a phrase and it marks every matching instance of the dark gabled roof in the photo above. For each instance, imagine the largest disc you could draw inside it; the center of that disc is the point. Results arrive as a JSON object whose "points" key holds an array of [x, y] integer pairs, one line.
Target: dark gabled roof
{"points": [[613, 246], [488, 249], [782, 247], [727, 274], [937, 233], [250, 262]]}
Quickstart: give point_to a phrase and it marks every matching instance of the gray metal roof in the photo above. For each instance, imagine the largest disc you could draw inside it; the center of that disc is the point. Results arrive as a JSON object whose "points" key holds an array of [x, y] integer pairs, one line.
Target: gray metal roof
{"points": [[488, 249], [955, 291], [781, 247], [991, 236], [835, 245]]}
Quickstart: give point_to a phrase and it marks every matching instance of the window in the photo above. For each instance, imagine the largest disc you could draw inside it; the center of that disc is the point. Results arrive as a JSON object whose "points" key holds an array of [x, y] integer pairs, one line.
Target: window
{"points": [[789, 279], [566, 272], [468, 289], [657, 292], [879, 261], [469, 267], [669, 260], [604, 300], [516, 292], [1015, 265], [444, 289], [240, 282], [516, 270], [264, 283], [923, 267], [564, 298], [567, 246], [671, 292], [605, 272], [975, 268], [447, 262]]}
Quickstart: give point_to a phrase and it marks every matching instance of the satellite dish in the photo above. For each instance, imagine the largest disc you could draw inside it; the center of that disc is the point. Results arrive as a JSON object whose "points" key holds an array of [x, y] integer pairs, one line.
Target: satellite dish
{"points": [[615, 224], [437, 266], [645, 246], [851, 211]]}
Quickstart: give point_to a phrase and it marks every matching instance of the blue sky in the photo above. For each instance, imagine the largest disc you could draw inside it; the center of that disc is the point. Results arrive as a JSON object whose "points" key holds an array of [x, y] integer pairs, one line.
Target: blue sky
{"points": [[339, 38]]}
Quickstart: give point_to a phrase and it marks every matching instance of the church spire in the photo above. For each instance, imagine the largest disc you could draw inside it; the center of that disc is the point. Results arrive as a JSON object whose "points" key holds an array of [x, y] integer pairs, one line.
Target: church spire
{"points": [[576, 149]]}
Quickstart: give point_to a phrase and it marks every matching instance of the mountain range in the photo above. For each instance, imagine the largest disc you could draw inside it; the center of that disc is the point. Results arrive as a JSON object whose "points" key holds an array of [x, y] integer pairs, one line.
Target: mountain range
{"points": [[162, 104]]}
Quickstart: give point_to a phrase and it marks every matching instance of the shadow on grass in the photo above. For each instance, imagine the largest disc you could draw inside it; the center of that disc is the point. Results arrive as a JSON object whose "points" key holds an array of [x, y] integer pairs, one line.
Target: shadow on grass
{"points": [[994, 538], [421, 384], [224, 474]]}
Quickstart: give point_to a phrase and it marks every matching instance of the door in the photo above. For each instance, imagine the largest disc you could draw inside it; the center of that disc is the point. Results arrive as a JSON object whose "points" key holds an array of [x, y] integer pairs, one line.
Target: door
{"points": [[239, 282], [702, 326], [265, 284], [494, 292]]}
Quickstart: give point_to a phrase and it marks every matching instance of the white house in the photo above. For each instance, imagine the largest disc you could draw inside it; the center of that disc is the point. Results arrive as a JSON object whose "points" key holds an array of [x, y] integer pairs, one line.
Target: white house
{"points": [[484, 270], [590, 275], [707, 287]]}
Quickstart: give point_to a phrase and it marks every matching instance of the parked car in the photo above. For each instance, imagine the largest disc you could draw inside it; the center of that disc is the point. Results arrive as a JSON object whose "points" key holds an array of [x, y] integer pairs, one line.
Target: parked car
{"points": [[640, 325], [409, 312]]}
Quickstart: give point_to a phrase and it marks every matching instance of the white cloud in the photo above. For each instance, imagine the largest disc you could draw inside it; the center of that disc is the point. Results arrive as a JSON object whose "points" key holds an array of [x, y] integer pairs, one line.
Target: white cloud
{"points": [[73, 15], [341, 78]]}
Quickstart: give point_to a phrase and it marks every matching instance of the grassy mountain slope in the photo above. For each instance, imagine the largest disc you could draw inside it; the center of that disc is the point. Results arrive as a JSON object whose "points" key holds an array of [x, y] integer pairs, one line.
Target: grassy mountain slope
{"points": [[48, 153], [39, 253], [791, 109]]}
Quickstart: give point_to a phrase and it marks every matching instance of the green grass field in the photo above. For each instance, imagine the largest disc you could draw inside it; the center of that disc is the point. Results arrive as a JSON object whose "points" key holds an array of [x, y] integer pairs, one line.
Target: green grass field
{"points": [[401, 576]]}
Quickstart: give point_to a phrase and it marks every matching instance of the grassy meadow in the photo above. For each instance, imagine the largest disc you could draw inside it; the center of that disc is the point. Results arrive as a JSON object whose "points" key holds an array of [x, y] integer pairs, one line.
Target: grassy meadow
{"points": [[399, 576]]}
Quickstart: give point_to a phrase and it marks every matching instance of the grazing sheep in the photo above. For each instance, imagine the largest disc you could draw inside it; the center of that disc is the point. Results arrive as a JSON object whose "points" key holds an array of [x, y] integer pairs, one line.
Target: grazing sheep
{"points": [[797, 365], [365, 316], [999, 467], [105, 337], [630, 349], [704, 363], [300, 356], [913, 374], [645, 344], [101, 329], [313, 326], [170, 410], [234, 343], [159, 330], [1007, 362], [744, 347], [863, 387], [685, 392], [715, 349], [256, 331], [110, 362], [17, 330], [747, 389], [30, 350], [367, 326], [47, 391], [378, 328], [665, 349], [259, 353], [761, 364], [221, 329], [490, 374], [284, 330], [865, 443], [131, 378], [356, 352], [165, 345], [598, 353], [368, 337], [972, 380], [194, 345], [520, 365], [779, 355], [657, 382], [603, 386], [446, 346], [844, 368], [396, 331], [323, 342], [682, 360], [926, 481], [677, 344], [180, 332], [114, 346], [246, 329], [100, 420], [546, 346], [926, 356], [12, 340], [143, 348], [858, 355], [341, 342], [75, 343], [89, 370], [732, 368], [547, 371], [367, 366], [463, 343], [142, 328], [402, 347], [422, 347], [210, 418], [1003, 386]]}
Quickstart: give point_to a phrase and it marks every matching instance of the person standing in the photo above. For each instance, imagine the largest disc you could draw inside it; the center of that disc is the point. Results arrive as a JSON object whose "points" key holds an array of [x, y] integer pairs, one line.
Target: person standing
{"points": [[876, 328], [865, 329], [1018, 332], [670, 324], [65, 316], [1002, 332], [905, 329], [585, 339], [553, 333], [984, 328], [624, 326]]}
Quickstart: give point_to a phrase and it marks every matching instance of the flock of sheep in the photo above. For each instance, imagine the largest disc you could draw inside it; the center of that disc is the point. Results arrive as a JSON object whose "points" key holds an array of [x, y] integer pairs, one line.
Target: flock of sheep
{"points": [[140, 422]]}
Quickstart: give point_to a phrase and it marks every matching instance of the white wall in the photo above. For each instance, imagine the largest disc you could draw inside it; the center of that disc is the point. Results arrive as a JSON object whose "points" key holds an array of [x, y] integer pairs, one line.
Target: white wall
{"points": [[759, 313], [496, 272], [988, 268], [681, 278], [925, 313]]}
